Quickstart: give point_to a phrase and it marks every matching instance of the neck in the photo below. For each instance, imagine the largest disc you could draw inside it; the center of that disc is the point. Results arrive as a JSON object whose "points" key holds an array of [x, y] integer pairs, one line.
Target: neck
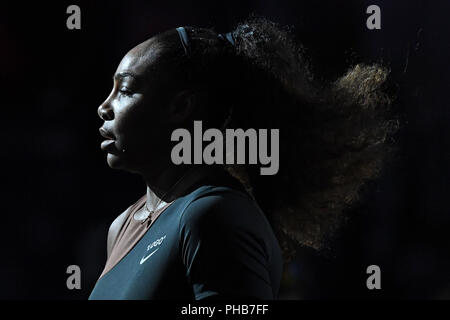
{"points": [[173, 183]]}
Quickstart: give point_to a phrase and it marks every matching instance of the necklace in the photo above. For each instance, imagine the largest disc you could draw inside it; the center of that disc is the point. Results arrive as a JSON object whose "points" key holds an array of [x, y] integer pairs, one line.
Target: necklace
{"points": [[151, 212]]}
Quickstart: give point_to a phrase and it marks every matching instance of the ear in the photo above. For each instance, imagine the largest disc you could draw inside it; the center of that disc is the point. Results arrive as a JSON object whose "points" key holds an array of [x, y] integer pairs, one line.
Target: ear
{"points": [[182, 106]]}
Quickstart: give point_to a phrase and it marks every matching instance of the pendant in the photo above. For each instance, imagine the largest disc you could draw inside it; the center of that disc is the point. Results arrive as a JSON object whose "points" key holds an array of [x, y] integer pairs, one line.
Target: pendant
{"points": [[150, 213]]}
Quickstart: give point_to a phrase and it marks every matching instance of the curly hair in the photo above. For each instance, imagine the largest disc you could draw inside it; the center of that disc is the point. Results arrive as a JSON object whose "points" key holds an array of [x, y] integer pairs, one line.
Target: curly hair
{"points": [[334, 137]]}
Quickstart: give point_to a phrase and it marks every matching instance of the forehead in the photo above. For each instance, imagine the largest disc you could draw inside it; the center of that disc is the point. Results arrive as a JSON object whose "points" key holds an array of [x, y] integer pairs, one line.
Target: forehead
{"points": [[140, 59]]}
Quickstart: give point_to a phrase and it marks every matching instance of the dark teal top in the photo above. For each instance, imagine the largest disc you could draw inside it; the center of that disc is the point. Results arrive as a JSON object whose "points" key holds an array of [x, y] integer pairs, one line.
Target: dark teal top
{"points": [[214, 242]]}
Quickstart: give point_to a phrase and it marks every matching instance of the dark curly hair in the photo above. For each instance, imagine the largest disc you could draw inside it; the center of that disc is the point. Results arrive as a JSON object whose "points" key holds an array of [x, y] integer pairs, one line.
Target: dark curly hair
{"points": [[334, 137]]}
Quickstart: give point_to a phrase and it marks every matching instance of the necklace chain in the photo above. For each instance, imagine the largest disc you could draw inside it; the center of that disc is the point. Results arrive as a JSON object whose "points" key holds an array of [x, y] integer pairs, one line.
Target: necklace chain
{"points": [[151, 212]]}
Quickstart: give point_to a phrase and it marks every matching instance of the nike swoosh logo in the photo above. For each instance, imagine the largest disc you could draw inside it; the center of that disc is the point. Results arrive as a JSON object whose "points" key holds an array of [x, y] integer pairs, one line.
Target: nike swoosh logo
{"points": [[145, 259]]}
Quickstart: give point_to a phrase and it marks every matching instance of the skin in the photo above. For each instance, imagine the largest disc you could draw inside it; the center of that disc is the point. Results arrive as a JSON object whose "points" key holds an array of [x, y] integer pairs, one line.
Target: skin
{"points": [[139, 116]]}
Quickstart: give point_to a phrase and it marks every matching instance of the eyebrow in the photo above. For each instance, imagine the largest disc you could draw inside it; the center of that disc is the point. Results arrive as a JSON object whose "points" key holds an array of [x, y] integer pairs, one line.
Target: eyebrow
{"points": [[122, 75]]}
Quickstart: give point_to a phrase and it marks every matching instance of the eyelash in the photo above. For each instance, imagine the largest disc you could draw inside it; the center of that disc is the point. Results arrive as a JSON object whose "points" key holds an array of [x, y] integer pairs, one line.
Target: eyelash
{"points": [[126, 92]]}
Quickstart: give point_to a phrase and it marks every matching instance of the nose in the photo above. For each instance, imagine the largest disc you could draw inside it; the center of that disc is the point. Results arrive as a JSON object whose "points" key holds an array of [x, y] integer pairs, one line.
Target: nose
{"points": [[105, 111]]}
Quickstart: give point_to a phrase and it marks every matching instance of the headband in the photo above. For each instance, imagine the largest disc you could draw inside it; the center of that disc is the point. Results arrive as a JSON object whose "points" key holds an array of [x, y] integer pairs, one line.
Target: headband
{"points": [[185, 39], [228, 37]]}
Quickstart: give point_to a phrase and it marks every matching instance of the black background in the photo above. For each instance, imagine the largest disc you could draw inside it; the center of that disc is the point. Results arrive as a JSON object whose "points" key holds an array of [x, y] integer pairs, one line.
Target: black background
{"points": [[59, 196]]}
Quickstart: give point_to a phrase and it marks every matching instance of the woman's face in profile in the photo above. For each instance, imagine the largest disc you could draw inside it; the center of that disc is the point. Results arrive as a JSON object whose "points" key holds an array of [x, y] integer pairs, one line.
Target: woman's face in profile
{"points": [[135, 127]]}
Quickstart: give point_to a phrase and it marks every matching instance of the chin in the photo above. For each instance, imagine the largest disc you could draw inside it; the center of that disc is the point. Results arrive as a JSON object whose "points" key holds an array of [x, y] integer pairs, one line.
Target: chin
{"points": [[118, 162], [115, 161]]}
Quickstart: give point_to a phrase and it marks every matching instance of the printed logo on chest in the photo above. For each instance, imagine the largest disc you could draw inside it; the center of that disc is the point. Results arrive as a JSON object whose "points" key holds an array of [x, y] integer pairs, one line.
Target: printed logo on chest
{"points": [[155, 246]]}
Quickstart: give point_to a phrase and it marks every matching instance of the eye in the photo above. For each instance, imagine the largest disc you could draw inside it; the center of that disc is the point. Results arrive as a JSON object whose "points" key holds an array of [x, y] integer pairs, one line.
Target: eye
{"points": [[125, 91]]}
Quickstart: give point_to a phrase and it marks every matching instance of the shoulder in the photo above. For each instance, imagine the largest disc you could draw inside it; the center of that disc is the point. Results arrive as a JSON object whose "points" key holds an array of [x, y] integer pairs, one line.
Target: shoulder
{"points": [[221, 205], [117, 225], [227, 246], [114, 229], [220, 216]]}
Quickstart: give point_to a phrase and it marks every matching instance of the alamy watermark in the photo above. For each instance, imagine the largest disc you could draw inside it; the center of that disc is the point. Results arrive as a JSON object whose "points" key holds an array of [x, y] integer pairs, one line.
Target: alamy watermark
{"points": [[374, 280], [74, 279], [74, 20], [231, 151], [374, 20]]}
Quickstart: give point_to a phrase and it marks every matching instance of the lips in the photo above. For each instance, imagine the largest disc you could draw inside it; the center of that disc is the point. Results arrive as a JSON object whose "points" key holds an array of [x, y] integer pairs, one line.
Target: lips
{"points": [[108, 144], [105, 134]]}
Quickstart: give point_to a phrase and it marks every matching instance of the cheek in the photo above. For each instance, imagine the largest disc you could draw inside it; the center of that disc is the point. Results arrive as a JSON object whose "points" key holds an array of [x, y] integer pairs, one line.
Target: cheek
{"points": [[130, 120], [140, 128]]}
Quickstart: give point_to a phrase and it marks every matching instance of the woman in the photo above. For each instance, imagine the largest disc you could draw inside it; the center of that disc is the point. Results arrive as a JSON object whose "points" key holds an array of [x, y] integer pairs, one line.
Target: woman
{"points": [[199, 231]]}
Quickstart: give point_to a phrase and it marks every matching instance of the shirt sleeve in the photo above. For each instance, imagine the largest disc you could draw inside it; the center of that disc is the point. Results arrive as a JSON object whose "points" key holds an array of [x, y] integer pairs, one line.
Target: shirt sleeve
{"points": [[223, 248]]}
